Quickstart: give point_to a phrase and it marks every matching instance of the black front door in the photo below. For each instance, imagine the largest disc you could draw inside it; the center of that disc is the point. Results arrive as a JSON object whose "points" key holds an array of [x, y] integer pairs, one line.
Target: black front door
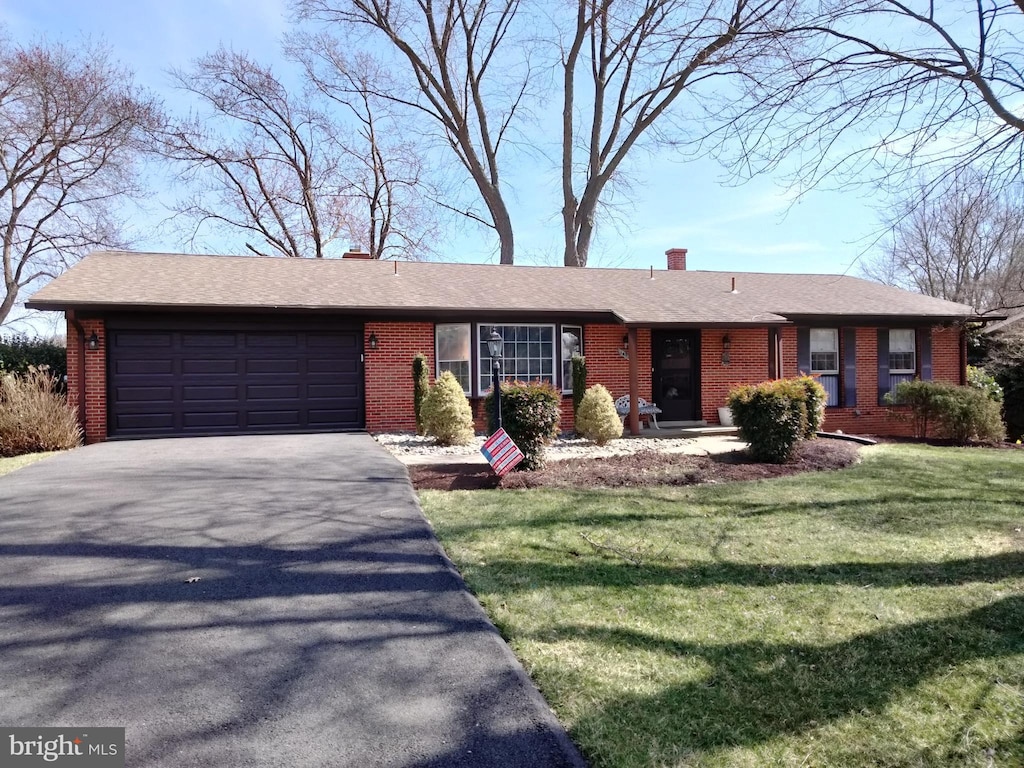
{"points": [[676, 362]]}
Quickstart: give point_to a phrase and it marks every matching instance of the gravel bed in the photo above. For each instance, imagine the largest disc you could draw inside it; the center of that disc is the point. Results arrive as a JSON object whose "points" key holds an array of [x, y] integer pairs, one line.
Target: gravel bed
{"points": [[414, 449]]}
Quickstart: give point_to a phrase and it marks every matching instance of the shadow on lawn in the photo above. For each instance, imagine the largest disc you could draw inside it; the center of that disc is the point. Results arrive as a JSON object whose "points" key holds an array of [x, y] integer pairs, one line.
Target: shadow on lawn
{"points": [[992, 568], [759, 691]]}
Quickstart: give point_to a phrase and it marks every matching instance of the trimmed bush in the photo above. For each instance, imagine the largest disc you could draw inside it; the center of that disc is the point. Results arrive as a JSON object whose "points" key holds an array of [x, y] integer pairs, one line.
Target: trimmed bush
{"points": [[18, 353], [34, 416], [579, 381], [596, 418], [446, 414], [774, 416], [970, 414], [530, 414], [815, 398], [961, 414], [922, 397], [420, 388]]}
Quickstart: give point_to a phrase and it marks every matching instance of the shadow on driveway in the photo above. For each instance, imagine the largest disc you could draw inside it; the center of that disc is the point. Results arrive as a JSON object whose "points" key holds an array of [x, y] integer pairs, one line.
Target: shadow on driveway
{"points": [[252, 601]]}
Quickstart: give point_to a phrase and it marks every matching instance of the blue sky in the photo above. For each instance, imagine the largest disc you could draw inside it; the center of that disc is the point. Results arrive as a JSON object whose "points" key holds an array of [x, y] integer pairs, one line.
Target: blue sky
{"points": [[753, 227]]}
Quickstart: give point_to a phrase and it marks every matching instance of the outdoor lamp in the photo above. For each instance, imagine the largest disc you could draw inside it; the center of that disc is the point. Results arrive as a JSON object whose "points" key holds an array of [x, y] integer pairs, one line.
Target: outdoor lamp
{"points": [[726, 342], [373, 340], [725, 349], [496, 345], [94, 341]]}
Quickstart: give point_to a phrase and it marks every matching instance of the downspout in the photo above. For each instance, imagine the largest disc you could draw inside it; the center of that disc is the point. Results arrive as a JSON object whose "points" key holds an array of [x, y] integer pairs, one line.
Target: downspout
{"points": [[70, 314]]}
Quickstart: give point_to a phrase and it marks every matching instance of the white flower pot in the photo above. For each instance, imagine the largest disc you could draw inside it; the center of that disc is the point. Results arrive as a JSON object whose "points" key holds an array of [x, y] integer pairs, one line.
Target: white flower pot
{"points": [[725, 416]]}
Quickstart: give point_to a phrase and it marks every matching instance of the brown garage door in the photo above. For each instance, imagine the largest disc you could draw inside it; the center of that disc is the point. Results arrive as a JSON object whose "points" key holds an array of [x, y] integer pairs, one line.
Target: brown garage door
{"points": [[221, 382]]}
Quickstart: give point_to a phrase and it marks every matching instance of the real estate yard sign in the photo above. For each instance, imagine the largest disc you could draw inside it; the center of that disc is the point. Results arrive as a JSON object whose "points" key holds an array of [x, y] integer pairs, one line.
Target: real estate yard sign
{"points": [[501, 452]]}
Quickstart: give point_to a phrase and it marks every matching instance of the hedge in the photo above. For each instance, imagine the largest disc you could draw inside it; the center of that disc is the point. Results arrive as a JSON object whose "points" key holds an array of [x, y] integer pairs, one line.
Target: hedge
{"points": [[530, 414]]}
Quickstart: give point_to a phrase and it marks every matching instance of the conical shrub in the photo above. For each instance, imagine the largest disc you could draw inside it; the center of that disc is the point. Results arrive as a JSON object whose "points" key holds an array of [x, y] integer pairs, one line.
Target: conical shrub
{"points": [[446, 414], [596, 418]]}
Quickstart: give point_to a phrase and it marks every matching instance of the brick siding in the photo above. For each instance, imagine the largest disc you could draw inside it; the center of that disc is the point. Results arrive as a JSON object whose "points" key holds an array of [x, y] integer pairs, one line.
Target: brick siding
{"points": [[388, 373], [748, 364], [95, 427], [389, 386]]}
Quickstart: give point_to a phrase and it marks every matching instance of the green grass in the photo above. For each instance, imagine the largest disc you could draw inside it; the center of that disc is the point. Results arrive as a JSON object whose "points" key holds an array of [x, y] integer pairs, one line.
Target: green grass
{"points": [[871, 616], [8, 465]]}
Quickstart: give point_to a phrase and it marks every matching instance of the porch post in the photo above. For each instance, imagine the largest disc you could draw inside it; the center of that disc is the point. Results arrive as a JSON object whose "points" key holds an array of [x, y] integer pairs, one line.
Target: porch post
{"points": [[634, 383]]}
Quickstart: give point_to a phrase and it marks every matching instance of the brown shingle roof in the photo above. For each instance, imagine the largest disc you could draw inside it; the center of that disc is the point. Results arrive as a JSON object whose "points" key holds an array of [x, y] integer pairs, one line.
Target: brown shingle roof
{"points": [[117, 279]]}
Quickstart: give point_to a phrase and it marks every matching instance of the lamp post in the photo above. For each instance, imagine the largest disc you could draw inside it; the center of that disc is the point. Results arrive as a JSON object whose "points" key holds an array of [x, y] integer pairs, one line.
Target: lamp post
{"points": [[496, 345]]}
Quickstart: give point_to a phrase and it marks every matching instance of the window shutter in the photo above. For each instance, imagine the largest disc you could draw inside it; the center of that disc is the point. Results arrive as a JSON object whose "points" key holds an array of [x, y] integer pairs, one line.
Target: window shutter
{"points": [[774, 369], [850, 367], [803, 350], [883, 364], [924, 349]]}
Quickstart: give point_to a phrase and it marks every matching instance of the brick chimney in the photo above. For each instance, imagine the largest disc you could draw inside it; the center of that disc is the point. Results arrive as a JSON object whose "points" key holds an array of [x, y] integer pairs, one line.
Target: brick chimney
{"points": [[676, 258], [354, 253]]}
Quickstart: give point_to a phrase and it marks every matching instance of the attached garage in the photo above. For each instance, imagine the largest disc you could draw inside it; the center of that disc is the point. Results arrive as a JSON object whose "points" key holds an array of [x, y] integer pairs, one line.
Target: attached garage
{"points": [[232, 378]]}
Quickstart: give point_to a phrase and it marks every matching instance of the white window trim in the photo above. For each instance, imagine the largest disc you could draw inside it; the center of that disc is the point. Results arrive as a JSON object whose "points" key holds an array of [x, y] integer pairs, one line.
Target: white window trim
{"points": [[835, 339], [567, 385], [437, 355], [904, 371], [484, 330]]}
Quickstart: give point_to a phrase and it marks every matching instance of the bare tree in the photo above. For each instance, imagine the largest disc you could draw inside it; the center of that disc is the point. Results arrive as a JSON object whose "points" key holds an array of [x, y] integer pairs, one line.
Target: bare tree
{"points": [[71, 126], [260, 157], [635, 59], [386, 172], [963, 242], [889, 90], [460, 79]]}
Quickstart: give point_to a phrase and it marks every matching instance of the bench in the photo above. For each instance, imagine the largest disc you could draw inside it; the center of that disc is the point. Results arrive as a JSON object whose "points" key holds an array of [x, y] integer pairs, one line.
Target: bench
{"points": [[646, 409]]}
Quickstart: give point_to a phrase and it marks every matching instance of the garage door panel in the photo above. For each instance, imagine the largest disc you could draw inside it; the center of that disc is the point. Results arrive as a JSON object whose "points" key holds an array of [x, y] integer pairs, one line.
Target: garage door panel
{"points": [[143, 367], [211, 420], [145, 394], [271, 340], [338, 390], [332, 416], [144, 422], [130, 339], [332, 365], [227, 392], [273, 418], [229, 382], [209, 340], [271, 365], [272, 392], [320, 342], [208, 367]]}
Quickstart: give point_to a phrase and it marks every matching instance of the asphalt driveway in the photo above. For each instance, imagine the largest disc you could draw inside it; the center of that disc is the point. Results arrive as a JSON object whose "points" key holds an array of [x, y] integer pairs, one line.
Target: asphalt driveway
{"points": [[252, 601]]}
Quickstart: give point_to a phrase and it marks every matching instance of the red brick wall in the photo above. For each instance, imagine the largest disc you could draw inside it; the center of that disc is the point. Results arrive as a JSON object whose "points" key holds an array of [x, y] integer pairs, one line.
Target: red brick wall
{"points": [[95, 426], [748, 364], [606, 366], [388, 373], [946, 355]]}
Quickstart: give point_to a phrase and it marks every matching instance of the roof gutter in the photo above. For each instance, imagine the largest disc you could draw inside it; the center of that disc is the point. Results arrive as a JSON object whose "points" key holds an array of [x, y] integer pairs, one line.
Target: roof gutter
{"points": [[80, 341]]}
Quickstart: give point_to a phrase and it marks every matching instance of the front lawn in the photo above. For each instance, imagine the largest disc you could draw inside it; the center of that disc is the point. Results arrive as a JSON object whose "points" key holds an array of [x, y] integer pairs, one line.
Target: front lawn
{"points": [[9, 464], [869, 616]]}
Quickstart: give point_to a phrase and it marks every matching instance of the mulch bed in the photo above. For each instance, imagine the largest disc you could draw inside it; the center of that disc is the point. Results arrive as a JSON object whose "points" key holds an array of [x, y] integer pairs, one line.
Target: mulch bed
{"points": [[648, 468]]}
